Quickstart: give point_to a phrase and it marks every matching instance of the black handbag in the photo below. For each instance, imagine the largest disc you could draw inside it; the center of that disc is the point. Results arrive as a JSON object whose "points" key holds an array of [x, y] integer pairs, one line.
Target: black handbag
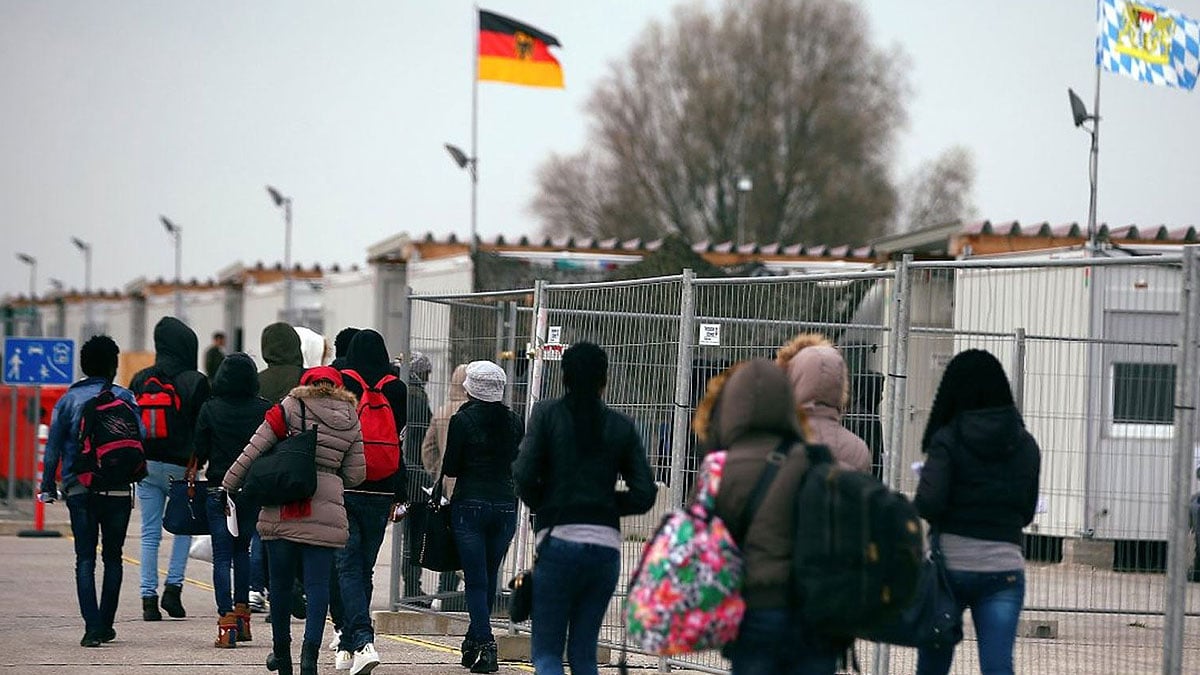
{"points": [[287, 472], [186, 512], [520, 605], [934, 619], [434, 547]]}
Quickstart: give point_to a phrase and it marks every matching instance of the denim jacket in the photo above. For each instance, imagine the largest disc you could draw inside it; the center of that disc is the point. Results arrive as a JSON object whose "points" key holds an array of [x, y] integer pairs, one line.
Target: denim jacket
{"points": [[63, 443]]}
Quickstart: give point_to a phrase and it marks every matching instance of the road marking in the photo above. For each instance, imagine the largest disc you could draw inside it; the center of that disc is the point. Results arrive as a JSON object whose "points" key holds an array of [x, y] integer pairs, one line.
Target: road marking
{"points": [[445, 649]]}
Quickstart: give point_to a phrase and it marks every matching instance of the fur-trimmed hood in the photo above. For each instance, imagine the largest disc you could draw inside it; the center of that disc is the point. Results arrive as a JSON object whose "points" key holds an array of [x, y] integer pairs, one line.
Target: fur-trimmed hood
{"points": [[749, 398], [334, 407], [816, 373]]}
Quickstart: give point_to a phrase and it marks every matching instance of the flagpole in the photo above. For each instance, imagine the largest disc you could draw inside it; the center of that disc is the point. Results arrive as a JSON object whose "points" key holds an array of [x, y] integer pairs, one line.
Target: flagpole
{"points": [[474, 137], [1094, 165]]}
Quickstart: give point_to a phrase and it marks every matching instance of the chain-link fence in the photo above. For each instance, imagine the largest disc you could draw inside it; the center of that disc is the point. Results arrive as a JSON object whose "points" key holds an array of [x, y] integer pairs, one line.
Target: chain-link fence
{"points": [[1091, 345]]}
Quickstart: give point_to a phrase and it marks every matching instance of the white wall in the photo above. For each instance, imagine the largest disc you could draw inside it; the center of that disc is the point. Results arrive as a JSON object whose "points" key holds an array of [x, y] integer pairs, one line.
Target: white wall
{"points": [[348, 299], [204, 313]]}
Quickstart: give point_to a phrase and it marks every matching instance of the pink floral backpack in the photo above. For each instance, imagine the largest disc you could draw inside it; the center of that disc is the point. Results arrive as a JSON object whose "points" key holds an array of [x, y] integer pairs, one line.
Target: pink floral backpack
{"points": [[686, 593]]}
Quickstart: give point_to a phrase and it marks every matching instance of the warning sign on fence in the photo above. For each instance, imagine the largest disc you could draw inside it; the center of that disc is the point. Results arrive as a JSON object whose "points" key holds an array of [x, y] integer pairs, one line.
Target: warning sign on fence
{"points": [[710, 334], [553, 352]]}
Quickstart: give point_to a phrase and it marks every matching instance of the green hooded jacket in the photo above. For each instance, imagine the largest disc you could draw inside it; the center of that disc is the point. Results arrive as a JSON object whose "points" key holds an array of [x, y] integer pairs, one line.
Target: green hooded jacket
{"points": [[285, 362]]}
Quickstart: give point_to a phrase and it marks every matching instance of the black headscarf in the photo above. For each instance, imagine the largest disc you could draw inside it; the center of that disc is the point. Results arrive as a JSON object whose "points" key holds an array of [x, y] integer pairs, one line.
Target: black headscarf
{"points": [[585, 372], [973, 380], [237, 377], [369, 356]]}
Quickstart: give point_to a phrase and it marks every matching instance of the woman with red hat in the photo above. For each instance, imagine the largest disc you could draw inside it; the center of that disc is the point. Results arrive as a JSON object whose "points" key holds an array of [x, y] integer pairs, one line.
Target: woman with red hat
{"points": [[306, 533]]}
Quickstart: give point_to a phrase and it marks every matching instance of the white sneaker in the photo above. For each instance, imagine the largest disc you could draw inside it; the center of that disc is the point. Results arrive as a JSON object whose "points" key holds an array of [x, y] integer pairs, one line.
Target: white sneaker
{"points": [[258, 603], [336, 641], [365, 660], [343, 660]]}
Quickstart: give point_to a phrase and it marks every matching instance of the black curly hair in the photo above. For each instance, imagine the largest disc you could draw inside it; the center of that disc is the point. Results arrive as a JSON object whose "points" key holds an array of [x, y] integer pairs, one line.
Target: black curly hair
{"points": [[974, 379]]}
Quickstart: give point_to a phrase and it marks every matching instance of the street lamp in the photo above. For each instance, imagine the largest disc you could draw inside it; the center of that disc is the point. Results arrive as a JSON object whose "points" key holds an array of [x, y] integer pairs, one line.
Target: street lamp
{"points": [[1079, 115], [33, 312], [176, 232], [471, 164], [744, 186], [286, 204], [86, 249]]}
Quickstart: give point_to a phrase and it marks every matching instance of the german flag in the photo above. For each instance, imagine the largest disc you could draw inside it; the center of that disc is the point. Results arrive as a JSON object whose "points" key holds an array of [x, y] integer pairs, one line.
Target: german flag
{"points": [[511, 51]]}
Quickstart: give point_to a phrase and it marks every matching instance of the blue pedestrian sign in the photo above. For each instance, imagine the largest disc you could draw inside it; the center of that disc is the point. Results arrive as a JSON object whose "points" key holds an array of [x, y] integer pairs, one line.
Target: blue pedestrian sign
{"points": [[39, 360]]}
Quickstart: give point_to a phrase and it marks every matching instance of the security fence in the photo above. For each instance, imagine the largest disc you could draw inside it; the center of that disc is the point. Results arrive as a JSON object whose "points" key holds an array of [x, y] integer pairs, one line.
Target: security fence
{"points": [[1091, 344]]}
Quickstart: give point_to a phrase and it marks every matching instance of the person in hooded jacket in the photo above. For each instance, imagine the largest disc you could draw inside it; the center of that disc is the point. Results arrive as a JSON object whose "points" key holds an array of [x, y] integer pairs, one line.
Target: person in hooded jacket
{"points": [[341, 346], [370, 506], [978, 490], [481, 444], [567, 472], [306, 533], [314, 348], [821, 389], [285, 361], [419, 416], [226, 424], [176, 356], [748, 411]]}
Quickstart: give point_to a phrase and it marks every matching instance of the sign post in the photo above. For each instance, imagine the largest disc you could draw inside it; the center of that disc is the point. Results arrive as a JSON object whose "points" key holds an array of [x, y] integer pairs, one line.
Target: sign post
{"points": [[33, 361]]}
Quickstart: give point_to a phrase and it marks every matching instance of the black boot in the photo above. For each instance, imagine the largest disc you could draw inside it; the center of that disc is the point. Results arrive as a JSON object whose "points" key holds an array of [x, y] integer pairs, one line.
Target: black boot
{"points": [[150, 609], [171, 601], [280, 658], [470, 652], [487, 661], [309, 651]]}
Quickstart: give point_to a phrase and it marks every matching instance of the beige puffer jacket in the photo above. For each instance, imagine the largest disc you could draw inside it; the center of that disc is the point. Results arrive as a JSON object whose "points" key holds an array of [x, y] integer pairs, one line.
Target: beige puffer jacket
{"points": [[820, 386], [340, 464], [433, 448]]}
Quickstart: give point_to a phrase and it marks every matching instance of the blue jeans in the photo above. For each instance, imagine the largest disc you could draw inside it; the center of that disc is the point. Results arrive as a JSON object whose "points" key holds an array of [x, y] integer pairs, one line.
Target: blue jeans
{"points": [[258, 563], [368, 517], [228, 551], [152, 498], [995, 599], [97, 519], [483, 529], [316, 562], [775, 641], [572, 586]]}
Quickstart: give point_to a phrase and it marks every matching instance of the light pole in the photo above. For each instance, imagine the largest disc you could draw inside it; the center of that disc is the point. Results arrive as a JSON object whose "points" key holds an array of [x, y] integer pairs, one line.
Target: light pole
{"points": [[471, 164], [744, 186], [33, 312], [286, 204], [1080, 115], [176, 232], [86, 249]]}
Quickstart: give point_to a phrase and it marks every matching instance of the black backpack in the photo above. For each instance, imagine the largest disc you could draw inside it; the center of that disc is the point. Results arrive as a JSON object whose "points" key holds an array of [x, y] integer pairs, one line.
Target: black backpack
{"points": [[110, 444], [858, 549], [287, 472]]}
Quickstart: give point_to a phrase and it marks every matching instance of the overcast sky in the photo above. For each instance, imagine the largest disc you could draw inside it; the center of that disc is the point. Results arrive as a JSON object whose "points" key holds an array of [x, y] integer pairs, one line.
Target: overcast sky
{"points": [[116, 112]]}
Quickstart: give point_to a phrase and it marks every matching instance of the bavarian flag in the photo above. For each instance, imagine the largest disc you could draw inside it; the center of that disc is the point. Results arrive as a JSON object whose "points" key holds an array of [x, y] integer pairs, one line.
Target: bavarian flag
{"points": [[1148, 43], [511, 51]]}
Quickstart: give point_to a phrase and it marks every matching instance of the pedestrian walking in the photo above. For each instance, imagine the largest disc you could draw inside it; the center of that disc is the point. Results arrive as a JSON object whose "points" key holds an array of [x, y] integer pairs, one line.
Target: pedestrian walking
{"points": [[481, 444], [978, 490], [433, 449], [567, 471], [306, 533]]}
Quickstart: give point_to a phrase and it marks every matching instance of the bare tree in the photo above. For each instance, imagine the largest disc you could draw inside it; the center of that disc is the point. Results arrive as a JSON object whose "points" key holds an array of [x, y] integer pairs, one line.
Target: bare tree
{"points": [[939, 191], [789, 93]]}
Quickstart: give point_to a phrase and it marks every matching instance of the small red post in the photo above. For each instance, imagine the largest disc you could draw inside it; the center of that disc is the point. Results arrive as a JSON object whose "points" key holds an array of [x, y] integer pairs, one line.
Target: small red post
{"points": [[39, 508]]}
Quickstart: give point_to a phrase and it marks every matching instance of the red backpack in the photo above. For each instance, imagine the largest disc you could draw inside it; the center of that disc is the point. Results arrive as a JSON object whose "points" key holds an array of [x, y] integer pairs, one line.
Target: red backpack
{"points": [[111, 454], [160, 405], [381, 439]]}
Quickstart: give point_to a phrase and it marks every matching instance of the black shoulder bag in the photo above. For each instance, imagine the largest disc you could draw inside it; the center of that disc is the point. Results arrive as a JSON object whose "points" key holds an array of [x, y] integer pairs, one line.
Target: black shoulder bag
{"points": [[287, 472]]}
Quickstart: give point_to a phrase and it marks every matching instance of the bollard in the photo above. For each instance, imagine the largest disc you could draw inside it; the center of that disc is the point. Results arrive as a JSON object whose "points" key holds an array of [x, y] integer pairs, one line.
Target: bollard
{"points": [[39, 507]]}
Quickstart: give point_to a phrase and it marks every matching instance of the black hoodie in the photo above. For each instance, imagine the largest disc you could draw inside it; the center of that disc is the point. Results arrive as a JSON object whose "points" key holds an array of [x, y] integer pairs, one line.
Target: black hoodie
{"points": [[176, 354], [229, 419], [980, 478], [369, 358]]}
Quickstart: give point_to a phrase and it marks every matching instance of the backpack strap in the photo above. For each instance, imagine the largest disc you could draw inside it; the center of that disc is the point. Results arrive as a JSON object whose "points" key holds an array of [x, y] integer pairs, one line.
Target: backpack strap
{"points": [[775, 460]]}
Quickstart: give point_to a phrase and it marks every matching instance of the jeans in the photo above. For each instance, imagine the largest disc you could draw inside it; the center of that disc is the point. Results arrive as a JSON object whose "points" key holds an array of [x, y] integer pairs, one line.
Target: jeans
{"points": [[774, 641], [572, 586], [258, 563], [152, 498], [228, 551], [317, 564], [98, 519], [995, 599], [483, 529], [368, 517]]}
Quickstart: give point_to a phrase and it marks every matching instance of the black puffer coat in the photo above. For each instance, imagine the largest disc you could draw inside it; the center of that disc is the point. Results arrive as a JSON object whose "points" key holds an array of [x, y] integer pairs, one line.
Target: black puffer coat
{"points": [[229, 419]]}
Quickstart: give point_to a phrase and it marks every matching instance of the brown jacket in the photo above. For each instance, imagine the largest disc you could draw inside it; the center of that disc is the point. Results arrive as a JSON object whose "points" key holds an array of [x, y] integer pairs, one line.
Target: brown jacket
{"points": [[748, 416], [433, 447], [340, 464], [820, 387]]}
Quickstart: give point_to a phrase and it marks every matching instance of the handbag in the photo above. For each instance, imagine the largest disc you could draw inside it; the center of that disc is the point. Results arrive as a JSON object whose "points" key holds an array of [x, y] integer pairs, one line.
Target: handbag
{"points": [[934, 619], [287, 472], [186, 512], [433, 534], [520, 606]]}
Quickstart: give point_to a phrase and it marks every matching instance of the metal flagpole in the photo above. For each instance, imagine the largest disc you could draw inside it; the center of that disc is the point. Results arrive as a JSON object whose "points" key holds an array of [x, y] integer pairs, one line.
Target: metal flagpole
{"points": [[474, 134], [1094, 165]]}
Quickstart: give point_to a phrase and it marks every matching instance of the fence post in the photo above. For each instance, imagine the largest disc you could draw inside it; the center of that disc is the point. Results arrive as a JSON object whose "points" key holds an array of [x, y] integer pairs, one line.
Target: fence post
{"points": [[510, 346], [12, 446], [898, 380], [1018, 369], [683, 386], [1181, 463], [404, 348]]}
